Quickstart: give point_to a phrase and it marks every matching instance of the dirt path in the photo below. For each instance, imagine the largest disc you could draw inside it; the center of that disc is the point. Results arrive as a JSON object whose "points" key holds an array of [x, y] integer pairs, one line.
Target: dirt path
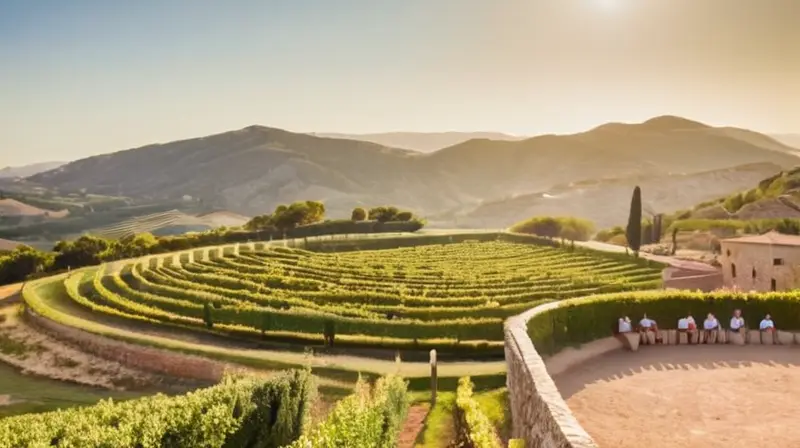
{"points": [[710, 396], [413, 426]]}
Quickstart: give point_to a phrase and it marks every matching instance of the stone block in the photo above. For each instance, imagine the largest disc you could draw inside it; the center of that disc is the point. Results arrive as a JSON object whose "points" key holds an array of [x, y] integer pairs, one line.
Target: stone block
{"points": [[736, 338], [662, 335], [711, 338], [694, 336], [754, 337], [672, 337], [683, 338], [650, 337], [722, 337], [785, 338], [632, 341], [767, 338]]}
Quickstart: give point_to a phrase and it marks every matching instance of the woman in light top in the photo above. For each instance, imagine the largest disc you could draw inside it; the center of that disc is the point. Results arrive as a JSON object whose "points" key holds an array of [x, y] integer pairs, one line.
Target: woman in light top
{"points": [[767, 324], [710, 327], [625, 325], [737, 322]]}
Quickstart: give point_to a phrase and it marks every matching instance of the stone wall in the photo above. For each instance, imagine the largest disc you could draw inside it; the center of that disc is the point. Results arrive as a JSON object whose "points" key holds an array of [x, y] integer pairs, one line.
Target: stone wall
{"points": [[540, 415], [676, 278], [148, 359]]}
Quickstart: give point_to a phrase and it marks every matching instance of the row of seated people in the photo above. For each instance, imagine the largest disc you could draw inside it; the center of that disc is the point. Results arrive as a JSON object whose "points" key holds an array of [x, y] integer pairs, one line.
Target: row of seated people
{"points": [[711, 331]]}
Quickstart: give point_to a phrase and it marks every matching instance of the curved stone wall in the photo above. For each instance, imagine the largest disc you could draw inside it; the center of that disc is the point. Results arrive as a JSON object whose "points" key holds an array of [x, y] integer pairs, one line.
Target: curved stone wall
{"points": [[540, 415]]}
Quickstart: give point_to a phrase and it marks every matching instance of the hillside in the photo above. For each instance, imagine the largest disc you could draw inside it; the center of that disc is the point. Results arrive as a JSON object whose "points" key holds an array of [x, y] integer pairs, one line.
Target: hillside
{"points": [[776, 196], [13, 207], [28, 170], [606, 201], [792, 140], [252, 170], [422, 141]]}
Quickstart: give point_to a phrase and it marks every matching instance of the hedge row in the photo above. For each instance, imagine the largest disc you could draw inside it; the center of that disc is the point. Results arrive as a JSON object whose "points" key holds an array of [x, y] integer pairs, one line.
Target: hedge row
{"points": [[578, 321], [473, 427], [370, 418], [239, 412]]}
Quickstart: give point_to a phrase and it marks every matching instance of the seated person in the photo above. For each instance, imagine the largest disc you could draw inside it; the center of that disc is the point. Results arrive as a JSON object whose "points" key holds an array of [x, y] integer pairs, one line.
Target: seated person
{"points": [[767, 324], [687, 325], [625, 325], [710, 326], [649, 330], [737, 322]]}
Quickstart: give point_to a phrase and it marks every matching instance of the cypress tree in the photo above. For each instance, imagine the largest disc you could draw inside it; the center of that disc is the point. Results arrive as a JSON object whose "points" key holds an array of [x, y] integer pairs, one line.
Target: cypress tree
{"points": [[207, 315], [634, 230]]}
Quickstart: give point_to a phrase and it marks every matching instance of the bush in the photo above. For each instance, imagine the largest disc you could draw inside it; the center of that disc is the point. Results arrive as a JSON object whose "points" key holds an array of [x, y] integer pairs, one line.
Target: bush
{"points": [[359, 214], [577, 321], [473, 427], [371, 417], [240, 411], [569, 228]]}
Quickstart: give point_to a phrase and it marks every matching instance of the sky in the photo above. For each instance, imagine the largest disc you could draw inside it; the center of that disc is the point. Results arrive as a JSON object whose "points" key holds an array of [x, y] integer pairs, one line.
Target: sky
{"points": [[85, 77]]}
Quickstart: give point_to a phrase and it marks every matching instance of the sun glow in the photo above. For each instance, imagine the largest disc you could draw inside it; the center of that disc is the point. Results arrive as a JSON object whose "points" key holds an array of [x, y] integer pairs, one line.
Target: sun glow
{"points": [[607, 4]]}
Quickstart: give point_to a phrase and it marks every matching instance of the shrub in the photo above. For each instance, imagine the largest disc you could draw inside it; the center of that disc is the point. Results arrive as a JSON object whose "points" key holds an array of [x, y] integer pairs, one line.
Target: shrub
{"points": [[370, 418], [359, 214], [240, 411], [556, 227], [473, 427]]}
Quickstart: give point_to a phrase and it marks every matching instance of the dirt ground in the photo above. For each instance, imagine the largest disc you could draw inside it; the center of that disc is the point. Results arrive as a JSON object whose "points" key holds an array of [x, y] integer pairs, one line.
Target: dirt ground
{"points": [[709, 396]]}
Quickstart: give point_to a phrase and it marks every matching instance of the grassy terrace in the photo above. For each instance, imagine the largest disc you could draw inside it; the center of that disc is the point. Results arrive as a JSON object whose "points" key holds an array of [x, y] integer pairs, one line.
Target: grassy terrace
{"points": [[267, 303]]}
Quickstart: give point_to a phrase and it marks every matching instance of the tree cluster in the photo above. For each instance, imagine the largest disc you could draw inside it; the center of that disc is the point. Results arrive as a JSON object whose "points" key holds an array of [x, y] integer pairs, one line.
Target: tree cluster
{"points": [[568, 228], [286, 217]]}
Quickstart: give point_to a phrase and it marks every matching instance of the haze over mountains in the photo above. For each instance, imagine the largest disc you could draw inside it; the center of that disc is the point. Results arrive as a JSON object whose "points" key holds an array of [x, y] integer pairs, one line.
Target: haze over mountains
{"points": [[28, 170], [478, 182], [788, 139]]}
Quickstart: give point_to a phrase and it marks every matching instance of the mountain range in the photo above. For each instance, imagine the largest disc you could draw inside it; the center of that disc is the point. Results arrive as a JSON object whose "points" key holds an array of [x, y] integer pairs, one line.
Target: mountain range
{"points": [[252, 170], [792, 140]]}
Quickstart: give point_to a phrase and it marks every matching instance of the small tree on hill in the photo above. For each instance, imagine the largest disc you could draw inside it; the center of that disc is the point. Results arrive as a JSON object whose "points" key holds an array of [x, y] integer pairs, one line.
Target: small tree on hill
{"points": [[359, 214], [634, 229]]}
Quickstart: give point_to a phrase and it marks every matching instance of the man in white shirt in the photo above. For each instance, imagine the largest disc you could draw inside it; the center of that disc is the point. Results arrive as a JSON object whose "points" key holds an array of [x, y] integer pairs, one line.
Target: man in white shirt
{"points": [[625, 325], [687, 325], [737, 322], [710, 329], [649, 329], [767, 324]]}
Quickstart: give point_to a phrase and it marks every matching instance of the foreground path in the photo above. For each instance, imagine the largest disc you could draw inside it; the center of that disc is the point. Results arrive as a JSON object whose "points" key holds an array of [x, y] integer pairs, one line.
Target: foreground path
{"points": [[711, 396]]}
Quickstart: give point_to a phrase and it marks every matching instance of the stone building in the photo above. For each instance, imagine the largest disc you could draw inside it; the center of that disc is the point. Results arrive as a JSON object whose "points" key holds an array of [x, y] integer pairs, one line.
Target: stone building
{"points": [[769, 262]]}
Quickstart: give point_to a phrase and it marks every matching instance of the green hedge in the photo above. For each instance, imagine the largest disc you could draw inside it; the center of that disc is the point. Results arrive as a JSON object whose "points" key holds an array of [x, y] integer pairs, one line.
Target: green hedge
{"points": [[370, 418], [577, 321], [473, 427], [239, 412]]}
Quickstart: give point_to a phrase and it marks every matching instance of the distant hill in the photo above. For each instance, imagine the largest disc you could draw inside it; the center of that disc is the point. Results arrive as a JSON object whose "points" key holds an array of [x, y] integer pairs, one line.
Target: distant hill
{"points": [[422, 141], [28, 170], [13, 207], [776, 196], [172, 222], [792, 140], [251, 170]]}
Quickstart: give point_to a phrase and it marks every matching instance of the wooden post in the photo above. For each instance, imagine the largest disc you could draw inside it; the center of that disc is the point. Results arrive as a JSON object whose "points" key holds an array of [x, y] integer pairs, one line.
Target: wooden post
{"points": [[434, 378]]}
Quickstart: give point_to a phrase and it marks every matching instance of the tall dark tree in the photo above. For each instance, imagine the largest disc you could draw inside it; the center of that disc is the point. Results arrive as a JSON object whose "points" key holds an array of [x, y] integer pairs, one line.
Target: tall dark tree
{"points": [[634, 230]]}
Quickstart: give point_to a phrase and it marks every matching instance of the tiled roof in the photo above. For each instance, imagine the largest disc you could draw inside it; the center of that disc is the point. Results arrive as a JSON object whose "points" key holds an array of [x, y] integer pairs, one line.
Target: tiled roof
{"points": [[774, 238]]}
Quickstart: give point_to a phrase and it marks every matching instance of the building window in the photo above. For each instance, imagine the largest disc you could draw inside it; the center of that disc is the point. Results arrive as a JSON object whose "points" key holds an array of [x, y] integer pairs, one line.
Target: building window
{"points": [[774, 285], [729, 252], [777, 261], [733, 270], [754, 273]]}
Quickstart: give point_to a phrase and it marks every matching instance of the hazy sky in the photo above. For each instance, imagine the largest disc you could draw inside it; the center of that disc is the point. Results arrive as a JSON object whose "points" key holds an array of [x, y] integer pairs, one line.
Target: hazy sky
{"points": [[83, 77]]}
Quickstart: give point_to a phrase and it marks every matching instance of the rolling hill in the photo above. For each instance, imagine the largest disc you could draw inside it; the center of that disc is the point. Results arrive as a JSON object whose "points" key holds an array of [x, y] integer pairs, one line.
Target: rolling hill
{"points": [[252, 170], [28, 170], [422, 141], [792, 140]]}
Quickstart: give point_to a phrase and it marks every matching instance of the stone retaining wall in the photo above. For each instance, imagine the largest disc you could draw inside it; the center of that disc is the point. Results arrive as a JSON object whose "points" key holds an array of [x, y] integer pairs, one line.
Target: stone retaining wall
{"points": [[540, 415], [148, 359], [675, 278]]}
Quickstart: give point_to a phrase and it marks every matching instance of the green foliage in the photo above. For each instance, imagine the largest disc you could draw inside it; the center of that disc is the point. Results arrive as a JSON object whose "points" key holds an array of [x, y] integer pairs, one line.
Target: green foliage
{"points": [[18, 264], [606, 235], [569, 228], [388, 213], [578, 321], [473, 427], [633, 231], [369, 418], [359, 214], [239, 412]]}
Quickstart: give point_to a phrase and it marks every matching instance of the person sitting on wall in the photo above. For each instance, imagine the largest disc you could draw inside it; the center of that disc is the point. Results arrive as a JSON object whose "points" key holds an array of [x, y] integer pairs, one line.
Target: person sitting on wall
{"points": [[625, 325], [737, 322], [648, 329], [710, 329], [688, 326], [767, 326]]}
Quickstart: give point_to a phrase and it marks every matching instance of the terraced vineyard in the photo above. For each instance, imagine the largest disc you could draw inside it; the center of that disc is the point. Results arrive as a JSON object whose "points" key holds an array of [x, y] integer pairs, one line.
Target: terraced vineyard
{"points": [[452, 297]]}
